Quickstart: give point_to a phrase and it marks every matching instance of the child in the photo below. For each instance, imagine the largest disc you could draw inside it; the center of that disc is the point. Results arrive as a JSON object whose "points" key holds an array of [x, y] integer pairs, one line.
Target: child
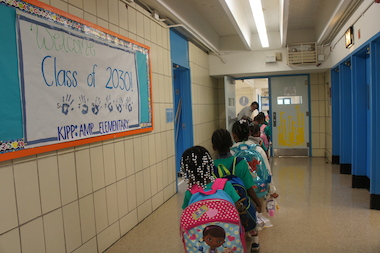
{"points": [[264, 126], [222, 142], [254, 135], [259, 120], [240, 134], [196, 169]]}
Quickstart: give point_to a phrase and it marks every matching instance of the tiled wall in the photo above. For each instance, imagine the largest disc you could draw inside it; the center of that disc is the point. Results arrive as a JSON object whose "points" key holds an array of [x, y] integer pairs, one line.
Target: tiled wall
{"points": [[318, 114], [328, 116], [85, 198], [205, 98]]}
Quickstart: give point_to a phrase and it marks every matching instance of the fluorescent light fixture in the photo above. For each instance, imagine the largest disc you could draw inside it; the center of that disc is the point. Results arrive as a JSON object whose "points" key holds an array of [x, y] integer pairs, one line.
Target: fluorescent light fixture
{"points": [[258, 15]]}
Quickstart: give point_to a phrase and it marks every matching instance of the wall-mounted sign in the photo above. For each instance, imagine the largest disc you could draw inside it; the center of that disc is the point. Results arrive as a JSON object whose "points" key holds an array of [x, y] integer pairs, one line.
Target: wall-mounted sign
{"points": [[243, 101], [67, 82]]}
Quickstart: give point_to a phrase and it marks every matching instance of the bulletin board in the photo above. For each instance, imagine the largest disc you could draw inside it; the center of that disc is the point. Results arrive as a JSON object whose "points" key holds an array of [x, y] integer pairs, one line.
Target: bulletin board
{"points": [[66, 82]]}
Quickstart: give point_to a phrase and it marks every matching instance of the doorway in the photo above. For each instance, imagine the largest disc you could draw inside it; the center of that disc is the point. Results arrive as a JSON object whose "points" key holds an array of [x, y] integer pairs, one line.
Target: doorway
{"points": [[290, 119], [183, 118], [285, 102]]}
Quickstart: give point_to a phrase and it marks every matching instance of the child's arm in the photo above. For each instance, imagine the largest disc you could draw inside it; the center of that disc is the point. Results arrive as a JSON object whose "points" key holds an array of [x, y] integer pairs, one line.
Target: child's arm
{"points": [[186, 199], [252, 194]]}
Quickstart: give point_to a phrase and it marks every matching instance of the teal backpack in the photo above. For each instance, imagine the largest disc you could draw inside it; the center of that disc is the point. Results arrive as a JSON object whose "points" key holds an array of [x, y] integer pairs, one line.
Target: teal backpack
{"points": [[257, 167]]}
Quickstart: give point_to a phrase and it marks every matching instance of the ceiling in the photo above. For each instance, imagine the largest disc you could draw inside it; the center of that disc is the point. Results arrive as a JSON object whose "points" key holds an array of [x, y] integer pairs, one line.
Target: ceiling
{"points": [[211, 24]]}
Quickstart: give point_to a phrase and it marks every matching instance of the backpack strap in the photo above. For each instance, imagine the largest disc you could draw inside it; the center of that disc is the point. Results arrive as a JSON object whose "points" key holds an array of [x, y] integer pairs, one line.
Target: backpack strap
{"points": [[218, 184], [234, 163]]}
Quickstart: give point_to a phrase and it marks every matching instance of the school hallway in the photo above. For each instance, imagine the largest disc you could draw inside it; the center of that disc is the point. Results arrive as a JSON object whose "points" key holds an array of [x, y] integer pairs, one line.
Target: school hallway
{"points": [[319, 212]]}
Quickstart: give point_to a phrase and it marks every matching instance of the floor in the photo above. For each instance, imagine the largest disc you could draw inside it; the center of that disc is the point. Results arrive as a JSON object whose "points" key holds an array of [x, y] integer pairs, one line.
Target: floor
{"points": [[319, 212]]}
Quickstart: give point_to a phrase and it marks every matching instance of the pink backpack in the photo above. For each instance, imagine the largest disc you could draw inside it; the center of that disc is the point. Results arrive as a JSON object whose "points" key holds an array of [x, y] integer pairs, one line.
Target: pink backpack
{"points": [[211, 216], [264, 136]]}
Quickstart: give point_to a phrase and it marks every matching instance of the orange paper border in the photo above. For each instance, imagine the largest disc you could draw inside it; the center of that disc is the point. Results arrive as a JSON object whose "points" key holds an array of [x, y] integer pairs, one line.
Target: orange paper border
{"points": [[53, 147]]}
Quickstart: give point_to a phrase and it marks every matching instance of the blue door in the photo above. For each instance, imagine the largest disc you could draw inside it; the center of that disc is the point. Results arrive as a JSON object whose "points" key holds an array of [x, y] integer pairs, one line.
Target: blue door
{"points": [[183, 120]]}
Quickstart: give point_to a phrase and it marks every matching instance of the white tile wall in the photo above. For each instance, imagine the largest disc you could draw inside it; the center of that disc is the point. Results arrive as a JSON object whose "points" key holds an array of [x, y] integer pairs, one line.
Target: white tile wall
{"points": [[87, 217], [205, 98], [131, 192], [32, 236], [101, 216], [54, 232], [129, 157], [89, 17], [122, 197], [123, 16], [112, 206], [157, 200], [318, 113], [120, 159], [82, 199], [102, 23], [138, 153], [147, 184], [160, 172], [140, 187], [145, 150], [83, 169], [10, 241], [49, 184], [97, 167], [90, 246], [71, 221], [77, 3], [153, 179], [90, 6], [27, 191], [113, 12], [132, 21], [8, 210], [144, 210], [102, 9], [67, 178], [76, 11], [139, 24], [62, 5], [108, 237], [128, 222], [147, 29]]}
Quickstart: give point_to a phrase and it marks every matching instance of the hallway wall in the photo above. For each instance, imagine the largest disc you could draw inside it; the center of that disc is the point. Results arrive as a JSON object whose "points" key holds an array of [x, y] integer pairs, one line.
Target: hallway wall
{"points": [[83, 199], [328, 118], [205, 98], [318, 114]]}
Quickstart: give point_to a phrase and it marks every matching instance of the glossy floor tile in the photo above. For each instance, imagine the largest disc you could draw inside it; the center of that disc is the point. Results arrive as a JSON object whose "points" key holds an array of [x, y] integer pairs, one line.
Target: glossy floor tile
{"points": [[319, 212]]}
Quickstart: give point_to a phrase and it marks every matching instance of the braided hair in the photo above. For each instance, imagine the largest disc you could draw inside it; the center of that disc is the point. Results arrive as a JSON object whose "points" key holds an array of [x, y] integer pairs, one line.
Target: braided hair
{"points": [[241, 129], [196, 167], [221, 140], [254, 129]]}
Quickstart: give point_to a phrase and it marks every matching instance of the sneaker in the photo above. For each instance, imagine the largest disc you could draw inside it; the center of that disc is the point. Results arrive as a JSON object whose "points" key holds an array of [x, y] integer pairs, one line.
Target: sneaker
{"points": [[255, 247]]}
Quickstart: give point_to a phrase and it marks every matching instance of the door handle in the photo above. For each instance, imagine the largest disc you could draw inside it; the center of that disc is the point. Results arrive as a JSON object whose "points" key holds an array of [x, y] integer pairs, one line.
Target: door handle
{"points": [[274, 119]]}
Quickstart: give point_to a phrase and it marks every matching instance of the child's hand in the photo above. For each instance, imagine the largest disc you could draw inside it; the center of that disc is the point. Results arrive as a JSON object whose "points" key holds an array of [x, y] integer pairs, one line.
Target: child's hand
{"points": [[258, 207], [274, 195]]}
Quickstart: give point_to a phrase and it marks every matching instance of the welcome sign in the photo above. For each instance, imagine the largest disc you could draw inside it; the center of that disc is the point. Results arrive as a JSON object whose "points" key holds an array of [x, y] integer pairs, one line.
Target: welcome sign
{"points": [[75, 82], [82, 87]]}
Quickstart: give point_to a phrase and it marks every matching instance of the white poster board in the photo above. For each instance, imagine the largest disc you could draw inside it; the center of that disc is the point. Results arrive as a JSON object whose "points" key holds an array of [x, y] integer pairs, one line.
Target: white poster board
{"points": [[74, 86]]}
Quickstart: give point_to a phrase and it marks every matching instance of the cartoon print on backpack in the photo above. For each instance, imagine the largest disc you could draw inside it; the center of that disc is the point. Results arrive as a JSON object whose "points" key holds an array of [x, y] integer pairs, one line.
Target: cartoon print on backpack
{"points": [[208, 202], [214, 236]]}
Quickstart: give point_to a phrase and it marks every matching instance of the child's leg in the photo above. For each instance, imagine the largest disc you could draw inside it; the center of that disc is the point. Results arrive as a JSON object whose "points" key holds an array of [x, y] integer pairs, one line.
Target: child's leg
{"points": [[252, 239]]}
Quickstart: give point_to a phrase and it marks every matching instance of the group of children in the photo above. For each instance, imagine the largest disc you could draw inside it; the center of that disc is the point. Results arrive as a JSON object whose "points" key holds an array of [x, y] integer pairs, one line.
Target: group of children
{"points": [[198, 169]]}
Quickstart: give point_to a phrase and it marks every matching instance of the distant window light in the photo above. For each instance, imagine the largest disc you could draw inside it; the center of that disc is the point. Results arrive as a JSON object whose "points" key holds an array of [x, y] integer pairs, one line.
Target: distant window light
{"points": [[289, 100]]}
